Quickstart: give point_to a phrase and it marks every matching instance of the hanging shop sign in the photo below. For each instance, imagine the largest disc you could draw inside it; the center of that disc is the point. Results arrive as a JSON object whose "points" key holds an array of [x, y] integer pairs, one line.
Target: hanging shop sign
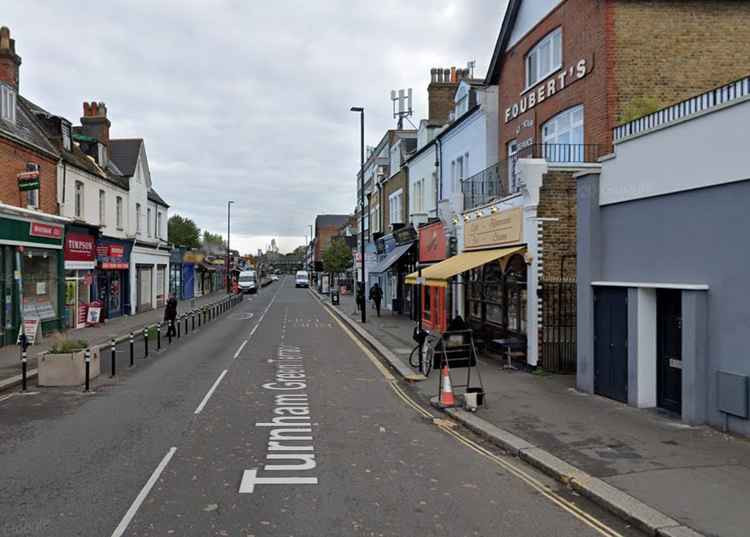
{"points": [[504, 227], [547, 89], [46, 231], [28, 180], [432, 243], [405, 234]]}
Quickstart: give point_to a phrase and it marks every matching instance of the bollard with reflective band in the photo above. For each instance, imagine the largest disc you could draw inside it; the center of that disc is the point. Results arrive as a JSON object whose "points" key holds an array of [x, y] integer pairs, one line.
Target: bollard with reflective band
{"points": [[87, 357], [186, 325], [145, 342], [158, 337], [177, 321], [114, 354], [132, 350], [169, 331], [23, 371]]}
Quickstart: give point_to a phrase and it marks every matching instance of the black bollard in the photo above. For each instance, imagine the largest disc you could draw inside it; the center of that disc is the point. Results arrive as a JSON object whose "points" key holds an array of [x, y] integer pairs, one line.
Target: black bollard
{"points": [[23, 371], [169, 331], [186, 325], [192, 320], [178, 327], [87, 357], [158, 337], [145, 341], [114, 354]]}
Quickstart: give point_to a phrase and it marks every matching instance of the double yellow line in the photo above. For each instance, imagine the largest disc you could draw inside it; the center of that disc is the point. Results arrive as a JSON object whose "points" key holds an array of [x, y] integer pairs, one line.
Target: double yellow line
{"points": [[446, 426]]}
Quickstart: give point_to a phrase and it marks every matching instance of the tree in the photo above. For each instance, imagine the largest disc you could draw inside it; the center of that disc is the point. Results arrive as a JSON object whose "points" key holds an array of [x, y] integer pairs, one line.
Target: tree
{"points": [[337, 257], [182, 231], [213, 239]]}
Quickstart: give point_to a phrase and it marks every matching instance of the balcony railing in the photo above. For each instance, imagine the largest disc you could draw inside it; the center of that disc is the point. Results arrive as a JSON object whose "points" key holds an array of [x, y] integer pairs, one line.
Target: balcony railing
{"points": [[502, 179]]}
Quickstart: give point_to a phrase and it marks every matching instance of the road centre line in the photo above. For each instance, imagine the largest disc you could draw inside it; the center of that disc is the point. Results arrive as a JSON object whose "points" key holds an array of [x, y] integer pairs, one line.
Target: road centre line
{"points": [[123, 525], [263, 315], [236, 354], [210, 392]]}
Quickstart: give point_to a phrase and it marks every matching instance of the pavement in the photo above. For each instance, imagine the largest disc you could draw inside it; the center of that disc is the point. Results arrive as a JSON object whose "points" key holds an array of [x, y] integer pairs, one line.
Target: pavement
{"points": [[10, 361], [644, 465], [271, 420]]}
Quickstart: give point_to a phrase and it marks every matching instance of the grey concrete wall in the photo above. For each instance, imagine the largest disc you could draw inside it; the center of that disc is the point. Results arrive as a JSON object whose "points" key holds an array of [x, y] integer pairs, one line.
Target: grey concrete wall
{"points": [[698, 236], [588, 269]]}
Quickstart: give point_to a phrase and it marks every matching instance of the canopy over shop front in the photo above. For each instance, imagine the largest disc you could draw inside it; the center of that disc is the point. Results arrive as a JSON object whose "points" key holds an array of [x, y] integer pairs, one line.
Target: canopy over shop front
{"points": [[437, 275], [391, 258]]}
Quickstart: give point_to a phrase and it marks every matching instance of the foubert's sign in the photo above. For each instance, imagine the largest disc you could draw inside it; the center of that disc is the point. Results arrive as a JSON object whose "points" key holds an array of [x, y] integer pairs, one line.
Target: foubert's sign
{"points": [[547, 89], [497, 229]]}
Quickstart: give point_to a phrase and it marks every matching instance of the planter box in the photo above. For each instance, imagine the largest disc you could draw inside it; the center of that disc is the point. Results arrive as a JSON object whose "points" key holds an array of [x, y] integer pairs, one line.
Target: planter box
{"points": [[67, 369]]}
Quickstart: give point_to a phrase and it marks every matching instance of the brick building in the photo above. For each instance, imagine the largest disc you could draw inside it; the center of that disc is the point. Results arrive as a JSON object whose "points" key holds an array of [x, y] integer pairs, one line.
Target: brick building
{"points": [[327, 226]]}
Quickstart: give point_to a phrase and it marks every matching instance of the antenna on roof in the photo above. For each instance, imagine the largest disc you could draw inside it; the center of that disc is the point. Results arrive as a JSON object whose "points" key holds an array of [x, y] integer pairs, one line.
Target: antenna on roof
{"points": [[404, 107], [471, 64]]}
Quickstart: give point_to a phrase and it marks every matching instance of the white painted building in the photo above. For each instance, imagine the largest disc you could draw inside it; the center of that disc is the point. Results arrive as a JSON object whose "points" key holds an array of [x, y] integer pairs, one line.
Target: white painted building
{"points": [[423, 171]]}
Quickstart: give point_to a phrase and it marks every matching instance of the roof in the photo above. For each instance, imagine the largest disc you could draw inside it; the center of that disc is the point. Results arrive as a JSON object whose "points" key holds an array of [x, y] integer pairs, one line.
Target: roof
{"points": [[155, 197], [325, 220], [511, 12], [27, 129], [124, 152]]}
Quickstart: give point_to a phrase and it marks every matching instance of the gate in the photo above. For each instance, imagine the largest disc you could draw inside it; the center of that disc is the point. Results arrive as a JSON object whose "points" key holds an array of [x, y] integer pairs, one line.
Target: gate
{"points": [[558, 331]]}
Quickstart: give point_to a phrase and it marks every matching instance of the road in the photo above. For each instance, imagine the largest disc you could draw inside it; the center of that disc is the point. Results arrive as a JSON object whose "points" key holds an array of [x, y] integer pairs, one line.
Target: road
{"points": [[271, 421]]}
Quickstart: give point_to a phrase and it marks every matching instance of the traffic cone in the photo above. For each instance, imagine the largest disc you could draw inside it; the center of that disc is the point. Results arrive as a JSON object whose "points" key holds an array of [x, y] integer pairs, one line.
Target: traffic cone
{"points": [[446, 394]]}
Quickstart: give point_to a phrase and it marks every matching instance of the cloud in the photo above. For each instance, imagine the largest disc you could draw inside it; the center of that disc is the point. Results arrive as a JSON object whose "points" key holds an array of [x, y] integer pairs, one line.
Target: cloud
{"points": [[247, 101]]}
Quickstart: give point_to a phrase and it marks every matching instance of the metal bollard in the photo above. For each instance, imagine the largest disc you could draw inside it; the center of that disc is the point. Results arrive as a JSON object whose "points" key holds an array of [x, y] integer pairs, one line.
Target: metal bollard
{"points": [[87, 357], [23, 371], [132, 349], [178, 327], [114, 356], [169, 331], [158, 337], [186, 325], [192, 320], [145, 341]]}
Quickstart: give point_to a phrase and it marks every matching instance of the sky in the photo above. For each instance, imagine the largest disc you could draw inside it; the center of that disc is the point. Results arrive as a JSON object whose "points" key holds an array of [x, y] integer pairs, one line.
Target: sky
{"points": [[246, 100]]}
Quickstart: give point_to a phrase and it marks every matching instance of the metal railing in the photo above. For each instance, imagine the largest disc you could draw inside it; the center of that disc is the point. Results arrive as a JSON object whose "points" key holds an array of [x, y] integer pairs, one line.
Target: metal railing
{"points": [[502, 179], [705, 101]]}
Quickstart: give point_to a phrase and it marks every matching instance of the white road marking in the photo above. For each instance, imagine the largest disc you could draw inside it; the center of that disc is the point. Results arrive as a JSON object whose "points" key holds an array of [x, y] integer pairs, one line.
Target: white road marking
{"points": [[120, 529], [210, 392], [236, 354], [250, 479]]}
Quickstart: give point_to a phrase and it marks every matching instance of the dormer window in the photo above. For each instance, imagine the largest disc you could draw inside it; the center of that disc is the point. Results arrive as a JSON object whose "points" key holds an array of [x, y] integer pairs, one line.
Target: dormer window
{"points": [[101, 155], [7, 103], [65, 128]]}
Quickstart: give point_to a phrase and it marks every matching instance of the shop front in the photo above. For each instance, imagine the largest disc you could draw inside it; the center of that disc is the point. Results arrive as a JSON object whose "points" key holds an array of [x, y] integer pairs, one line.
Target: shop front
{"points": [[149, 277], [207, 273], [187, 290], [433, 248], [31, 271], [112, 276], [80, 262], [175, 272]]}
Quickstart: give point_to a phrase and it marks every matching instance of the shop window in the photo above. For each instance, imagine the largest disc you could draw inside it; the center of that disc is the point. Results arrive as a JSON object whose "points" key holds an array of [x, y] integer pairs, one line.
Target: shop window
{"points": [[427, 306], [79, 199], [493, 293], [545, 58], [39, 274], [515, 288], [563, 136]]}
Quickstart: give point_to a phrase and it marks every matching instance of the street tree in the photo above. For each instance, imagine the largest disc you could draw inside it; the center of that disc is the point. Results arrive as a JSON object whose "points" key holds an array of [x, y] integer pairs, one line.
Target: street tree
{"points": [[337, 257], [182, 231]]}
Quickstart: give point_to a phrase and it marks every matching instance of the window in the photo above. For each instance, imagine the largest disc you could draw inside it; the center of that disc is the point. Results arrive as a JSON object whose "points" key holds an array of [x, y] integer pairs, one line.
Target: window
{"points": [[394, 206], [418, 200], [158, 224], [462, 106], [563, 136], [32, 199], [65, 128], [7, 103], [101, 152], [137, 217], [102, 208], [118, 204], [545, 58], [459, 175], [79, 199], [148, 221]]}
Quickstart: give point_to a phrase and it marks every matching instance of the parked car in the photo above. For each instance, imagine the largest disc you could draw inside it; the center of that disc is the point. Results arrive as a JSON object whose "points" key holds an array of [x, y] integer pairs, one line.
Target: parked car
{"points": [[302, 279], [248, 281]]}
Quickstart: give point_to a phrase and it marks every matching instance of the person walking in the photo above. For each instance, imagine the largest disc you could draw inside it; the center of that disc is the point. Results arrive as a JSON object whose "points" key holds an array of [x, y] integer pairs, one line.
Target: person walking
{"points": [[360, 297], [376, 295], [170, 315]]}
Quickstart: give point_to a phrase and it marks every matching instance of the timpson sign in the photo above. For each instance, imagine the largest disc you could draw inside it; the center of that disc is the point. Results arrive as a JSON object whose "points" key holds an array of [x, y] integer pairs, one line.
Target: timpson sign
{"points": [[547, 89]]}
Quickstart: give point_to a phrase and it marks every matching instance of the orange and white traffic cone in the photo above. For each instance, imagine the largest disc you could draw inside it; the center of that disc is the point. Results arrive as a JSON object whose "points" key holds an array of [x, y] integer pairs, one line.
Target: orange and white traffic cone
{"points": [[446, 394]]}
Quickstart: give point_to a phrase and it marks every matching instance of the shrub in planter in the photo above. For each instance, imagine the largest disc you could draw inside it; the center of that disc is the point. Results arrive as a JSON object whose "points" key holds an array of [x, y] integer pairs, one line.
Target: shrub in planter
{"points": [[65, 364]]}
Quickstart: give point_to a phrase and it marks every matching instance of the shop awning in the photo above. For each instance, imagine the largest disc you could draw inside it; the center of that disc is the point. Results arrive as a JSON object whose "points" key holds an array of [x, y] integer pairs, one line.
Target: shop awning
{"points": [[392, 257], [437, 275]]}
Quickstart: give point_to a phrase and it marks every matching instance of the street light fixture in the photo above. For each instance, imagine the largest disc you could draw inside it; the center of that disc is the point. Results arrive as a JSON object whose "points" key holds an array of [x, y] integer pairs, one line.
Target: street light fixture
{"points": [[361, 112], [228, 275]]}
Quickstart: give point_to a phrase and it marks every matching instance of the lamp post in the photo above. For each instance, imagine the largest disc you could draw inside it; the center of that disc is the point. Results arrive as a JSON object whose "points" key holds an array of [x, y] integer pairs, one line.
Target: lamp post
{"points": [[362, 199], [228, 275]]}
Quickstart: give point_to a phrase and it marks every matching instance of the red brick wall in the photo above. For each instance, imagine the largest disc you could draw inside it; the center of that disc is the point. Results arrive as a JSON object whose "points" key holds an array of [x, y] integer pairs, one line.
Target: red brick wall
{"points": [[557, 201], [13, 159], [583, 37], [323, 236]]}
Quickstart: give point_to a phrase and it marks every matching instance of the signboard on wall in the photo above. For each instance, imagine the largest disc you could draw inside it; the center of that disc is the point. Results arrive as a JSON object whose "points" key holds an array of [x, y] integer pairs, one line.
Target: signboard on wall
{"points": [[498, 229], [47, 231], [432, 243], [79, 247]]}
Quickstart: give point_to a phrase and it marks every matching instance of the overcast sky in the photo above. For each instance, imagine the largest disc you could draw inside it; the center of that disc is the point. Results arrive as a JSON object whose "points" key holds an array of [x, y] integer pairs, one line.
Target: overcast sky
{"points": [[243, 99]]}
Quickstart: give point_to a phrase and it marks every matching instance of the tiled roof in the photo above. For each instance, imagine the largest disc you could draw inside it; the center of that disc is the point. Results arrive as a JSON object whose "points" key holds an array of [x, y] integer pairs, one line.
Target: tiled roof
{"points": [[155, 197], [124, 153], [331, 220], [26, 128]]}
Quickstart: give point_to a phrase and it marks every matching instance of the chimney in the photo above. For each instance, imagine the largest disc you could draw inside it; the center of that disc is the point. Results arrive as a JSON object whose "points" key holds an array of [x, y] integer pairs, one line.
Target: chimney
{"points": [[9, 60], [94, 122], [440, 93]]}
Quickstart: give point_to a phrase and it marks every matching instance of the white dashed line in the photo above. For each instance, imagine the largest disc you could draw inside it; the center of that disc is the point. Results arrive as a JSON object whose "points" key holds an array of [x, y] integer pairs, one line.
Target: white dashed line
{"points": [[210, 392], [236, 354]]}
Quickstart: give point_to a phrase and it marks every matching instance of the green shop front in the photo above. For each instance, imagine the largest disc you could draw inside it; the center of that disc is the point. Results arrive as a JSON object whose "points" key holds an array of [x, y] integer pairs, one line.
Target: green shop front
{"points": [[32, 275]]}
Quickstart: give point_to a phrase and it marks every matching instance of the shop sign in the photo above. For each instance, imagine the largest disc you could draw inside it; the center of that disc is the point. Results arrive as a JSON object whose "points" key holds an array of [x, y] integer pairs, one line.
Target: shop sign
{"points": [[432, 243], [79, 247], [112, 255], [47, 231], [405, 234], [30, 329], [504, 227], [546, 89], [192, 257], [28, 180]]}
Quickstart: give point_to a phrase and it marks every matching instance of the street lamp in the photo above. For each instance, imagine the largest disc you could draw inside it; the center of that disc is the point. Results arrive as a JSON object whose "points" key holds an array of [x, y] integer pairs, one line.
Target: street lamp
{"points": [[362, 199], [229, 276]]}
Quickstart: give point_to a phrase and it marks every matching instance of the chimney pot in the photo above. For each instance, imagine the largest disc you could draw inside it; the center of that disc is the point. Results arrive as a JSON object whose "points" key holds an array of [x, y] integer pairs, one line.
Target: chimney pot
{"points": [[9, 60], [453, 74], [4, 38]]}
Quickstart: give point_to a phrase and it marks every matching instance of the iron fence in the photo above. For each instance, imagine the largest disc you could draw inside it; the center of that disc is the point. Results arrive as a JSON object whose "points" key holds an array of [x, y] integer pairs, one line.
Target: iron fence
{"points": [[558, 343]]}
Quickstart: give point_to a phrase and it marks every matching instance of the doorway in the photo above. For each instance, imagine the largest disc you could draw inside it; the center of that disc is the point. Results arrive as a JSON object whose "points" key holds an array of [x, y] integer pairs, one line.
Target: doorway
{"points": [[669, 349], [611, 343]]}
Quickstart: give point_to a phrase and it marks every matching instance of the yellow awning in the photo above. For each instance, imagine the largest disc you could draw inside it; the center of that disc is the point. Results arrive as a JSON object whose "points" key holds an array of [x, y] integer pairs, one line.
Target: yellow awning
{"points": [[437, 275]]}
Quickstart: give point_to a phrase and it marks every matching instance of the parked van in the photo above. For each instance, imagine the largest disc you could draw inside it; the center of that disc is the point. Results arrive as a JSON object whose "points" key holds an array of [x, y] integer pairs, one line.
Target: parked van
{"points": [[248, 281], [302, 279]]}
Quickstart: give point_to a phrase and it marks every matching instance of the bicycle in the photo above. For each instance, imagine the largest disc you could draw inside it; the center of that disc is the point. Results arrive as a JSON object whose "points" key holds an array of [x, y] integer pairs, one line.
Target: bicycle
{"points": [[423, 363]]}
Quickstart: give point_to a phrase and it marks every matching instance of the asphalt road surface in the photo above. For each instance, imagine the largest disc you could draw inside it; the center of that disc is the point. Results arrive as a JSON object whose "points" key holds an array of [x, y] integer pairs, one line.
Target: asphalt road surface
{"points": [[270, 421]]}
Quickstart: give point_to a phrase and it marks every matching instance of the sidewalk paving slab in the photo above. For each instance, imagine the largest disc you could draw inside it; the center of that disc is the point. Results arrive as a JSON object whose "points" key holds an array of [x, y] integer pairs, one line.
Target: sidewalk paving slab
{"points": [[669, 478]]}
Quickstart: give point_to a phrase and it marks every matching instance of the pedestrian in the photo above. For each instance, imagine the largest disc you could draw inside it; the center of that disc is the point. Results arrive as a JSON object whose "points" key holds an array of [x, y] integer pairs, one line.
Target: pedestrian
{"points": [[376, 295], [360, 299], [170, 315]]}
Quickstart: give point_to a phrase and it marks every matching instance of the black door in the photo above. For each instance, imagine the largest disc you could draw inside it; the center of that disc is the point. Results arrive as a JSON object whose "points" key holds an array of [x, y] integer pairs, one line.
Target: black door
{"points": [[669, 349], [611, 343]]}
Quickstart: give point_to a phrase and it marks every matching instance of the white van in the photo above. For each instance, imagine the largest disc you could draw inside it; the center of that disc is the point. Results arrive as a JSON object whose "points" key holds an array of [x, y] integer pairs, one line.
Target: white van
{"points": [[248, 282], [302, 279]]}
